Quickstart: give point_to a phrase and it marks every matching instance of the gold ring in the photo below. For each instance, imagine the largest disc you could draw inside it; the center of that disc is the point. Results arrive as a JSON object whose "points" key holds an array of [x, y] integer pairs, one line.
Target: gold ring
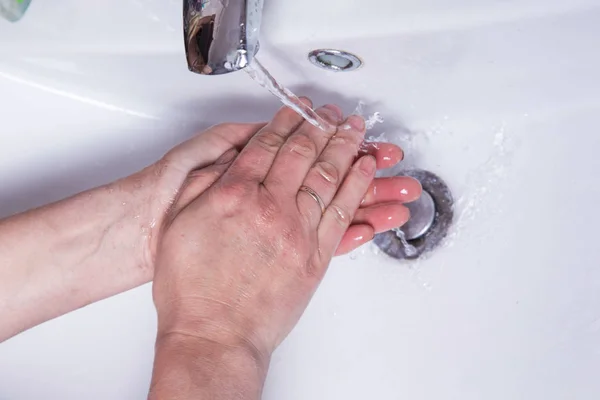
{"points": [[315, 196]]}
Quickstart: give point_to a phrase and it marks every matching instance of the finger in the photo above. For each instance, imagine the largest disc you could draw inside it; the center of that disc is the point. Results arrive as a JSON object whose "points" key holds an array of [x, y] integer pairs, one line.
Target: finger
{"points": [[402, 189], [355, 236], [386, 154], [300, 152], [330, 169], [256, 158], [340, 213], [198, 181], [383, 217], [205, 148]]}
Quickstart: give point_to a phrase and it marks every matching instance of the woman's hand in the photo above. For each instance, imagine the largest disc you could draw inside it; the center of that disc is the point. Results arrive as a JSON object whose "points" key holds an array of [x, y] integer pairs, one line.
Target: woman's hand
{"points": [[250, 237], [191, 166], [93, 245]]}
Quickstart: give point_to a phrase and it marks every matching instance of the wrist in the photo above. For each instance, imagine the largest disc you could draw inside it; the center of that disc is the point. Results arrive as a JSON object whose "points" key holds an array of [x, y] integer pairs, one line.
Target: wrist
{"points": [[210, 321], [147, 197], [188, 366]]}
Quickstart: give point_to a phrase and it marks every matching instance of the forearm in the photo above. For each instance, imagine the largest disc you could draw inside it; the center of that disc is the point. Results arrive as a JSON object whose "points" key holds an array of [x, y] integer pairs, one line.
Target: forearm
{"points": [[71, 253], [188, 367]]}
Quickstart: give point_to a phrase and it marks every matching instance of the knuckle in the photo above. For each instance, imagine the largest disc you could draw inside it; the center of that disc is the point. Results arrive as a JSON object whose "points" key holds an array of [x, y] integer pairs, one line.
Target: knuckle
{"points": [[270, 140], [329, 172], [231, 196], [340, 214], [303, 146]]}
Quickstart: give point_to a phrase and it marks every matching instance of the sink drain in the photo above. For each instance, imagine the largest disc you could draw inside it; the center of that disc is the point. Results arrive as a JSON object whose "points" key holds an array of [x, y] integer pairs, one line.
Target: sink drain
{"points": [[431, 217]]}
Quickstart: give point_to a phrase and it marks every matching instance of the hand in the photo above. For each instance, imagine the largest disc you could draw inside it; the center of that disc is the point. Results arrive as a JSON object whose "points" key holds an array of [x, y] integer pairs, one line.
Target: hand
{"points": [[192, 165], [181, 168], [245, 247]]}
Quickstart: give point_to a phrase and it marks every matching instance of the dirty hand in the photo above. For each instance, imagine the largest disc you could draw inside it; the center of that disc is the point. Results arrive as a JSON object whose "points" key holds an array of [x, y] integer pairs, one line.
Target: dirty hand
{"points": [[250, 237]]}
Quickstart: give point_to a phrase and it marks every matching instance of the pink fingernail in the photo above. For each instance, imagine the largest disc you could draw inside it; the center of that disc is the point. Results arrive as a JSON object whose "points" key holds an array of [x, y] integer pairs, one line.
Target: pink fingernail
{"points": [[336, 111], [354, 122]]}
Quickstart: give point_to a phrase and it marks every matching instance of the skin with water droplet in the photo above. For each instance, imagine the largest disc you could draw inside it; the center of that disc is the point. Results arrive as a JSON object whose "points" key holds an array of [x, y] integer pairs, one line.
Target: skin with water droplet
{"points": [[339, 213]]}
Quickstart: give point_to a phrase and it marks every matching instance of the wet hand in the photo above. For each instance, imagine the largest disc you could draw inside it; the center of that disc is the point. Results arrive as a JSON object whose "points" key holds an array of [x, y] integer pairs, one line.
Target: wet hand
{"points": [[192, 165], [250, 236]]}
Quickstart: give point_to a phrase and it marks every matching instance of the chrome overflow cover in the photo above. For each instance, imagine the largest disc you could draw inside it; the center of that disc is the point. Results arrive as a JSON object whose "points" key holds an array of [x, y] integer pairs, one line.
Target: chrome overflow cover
{"points": [[334, 60]]}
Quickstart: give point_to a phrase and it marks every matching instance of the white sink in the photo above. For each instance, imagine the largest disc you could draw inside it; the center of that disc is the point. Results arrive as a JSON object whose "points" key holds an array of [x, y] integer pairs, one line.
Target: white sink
{"points": [[499, 98]]}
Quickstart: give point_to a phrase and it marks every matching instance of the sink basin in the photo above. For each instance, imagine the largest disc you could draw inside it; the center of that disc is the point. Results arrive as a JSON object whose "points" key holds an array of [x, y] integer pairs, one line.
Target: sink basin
{"points": [[499, 98]]}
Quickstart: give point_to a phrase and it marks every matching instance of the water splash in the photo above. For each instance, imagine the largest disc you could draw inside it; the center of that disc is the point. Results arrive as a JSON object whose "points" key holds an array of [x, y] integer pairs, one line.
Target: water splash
{"points": [[370, 120], [409, 249], [479, 193], [262, 76]]}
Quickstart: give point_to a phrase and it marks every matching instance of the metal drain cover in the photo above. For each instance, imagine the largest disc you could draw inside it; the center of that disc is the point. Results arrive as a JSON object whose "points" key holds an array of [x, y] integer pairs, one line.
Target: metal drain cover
{"points": [[431, 217], [422, 215]]}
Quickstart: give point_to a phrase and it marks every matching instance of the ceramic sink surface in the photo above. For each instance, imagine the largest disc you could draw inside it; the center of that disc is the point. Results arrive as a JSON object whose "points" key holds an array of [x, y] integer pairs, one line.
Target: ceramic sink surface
{"points": [[499, 98]]}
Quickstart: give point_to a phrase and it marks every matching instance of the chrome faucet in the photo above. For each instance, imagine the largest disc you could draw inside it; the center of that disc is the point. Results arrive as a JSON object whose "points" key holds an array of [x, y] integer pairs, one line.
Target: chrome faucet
{"points": [[221, 36]]}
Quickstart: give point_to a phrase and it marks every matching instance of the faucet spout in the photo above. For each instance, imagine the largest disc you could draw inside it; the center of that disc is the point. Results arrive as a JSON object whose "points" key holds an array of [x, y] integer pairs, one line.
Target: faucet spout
{"points": [[221, 36]]}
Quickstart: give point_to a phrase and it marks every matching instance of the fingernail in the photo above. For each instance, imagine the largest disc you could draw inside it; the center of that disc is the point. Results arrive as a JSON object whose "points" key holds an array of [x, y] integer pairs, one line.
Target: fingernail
{"points": [[227, 157], [368, 165], [337, 112], [410, 190], [420, 185], [331, 113], [306, 101], [394, 153], [406, 216], [354, 122]]}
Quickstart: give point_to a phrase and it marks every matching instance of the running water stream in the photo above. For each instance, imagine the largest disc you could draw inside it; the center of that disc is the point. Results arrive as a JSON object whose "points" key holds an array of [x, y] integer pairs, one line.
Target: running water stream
{"points": [[260, 74]]}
